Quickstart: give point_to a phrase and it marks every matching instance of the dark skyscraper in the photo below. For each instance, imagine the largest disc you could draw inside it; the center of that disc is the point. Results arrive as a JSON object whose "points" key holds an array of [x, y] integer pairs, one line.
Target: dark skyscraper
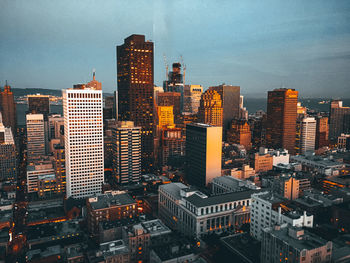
{"points": [[39, 104], [8, 108], [135, 91], [281, 119], [339, 120], [230, 96]]}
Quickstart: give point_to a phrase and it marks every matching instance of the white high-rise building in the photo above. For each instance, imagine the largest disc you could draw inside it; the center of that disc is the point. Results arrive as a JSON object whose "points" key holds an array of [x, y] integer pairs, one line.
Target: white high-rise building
{"points": [[35, 136], [83, 134], [308, 135], [127, 152]]}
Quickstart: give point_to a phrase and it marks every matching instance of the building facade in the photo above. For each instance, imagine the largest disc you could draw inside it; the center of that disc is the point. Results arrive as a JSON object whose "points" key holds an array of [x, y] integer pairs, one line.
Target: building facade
{"points": [[192, 97], [239, 133], [135, 91], [203, 153], [83, 137], [36, 136], [8, 157], [308, 135], [170, 99], [339, 120], [8, 108], [322, 132], [210, 110]]}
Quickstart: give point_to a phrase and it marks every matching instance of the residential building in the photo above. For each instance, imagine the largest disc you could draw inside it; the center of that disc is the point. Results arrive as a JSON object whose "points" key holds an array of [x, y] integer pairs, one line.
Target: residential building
{"points": [[83, 138], [8, 157], [8, 108], [126, 152], [344, 141], [210, 110], [203, 153], [308, 135], [36, 136], [280, 156], [56, 126], [281, 119], [192, 97], [339, 121], [294, 244], [268, 210], [135, 91], [287, 186], [244, 172], [239, 133]]}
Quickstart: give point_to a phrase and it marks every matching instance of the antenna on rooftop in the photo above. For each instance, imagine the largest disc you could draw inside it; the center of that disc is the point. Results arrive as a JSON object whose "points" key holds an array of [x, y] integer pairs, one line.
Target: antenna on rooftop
{"points": [[93, 73]]}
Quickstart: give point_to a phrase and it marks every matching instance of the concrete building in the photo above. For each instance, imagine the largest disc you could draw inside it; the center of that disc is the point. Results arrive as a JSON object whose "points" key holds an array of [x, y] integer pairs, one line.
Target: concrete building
{"points": [[38, 169], [127, 153], [56, 126], [172, 145], [195, 214], [114, 205], [293, 244], [210, 110], [36, 136], [165, 116], [243, 173], [280, 156], [308, 135], [262, 162], [192, 97], [83, 137], [229, 184], [239, 133], [344, 141], [170, 99], [268, 210], [203, 153], [8, 157], [287, 186], [322, 132]]}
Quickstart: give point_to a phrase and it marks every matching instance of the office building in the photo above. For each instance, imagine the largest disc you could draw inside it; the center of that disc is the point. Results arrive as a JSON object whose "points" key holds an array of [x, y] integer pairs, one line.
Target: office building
{"points": [[344, 141], [268, 210], [210, 110], [110, 206], [229, 184], [280, 156], [281, 119], [56, 126], [39, 104], [262, 162], [83, 137], [322, 132], [36, 136], [175, 81], [239, 133], [165, 116], [203, 153], [170, 99], [40, 168], [195, 214], [294, 244], [308, 135], [59, 165], [8, 108], [230, 96], [243, 112], [172, 145], [8, 157], [287, 186], [135, 91], [126, 142], [192, 97], [339, 121]]}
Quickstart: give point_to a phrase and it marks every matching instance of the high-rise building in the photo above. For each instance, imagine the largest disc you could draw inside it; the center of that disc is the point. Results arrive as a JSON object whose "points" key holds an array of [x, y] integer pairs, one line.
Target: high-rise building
{"points": [[339, 120], [170, 99], [136, 90], [308, 135], [322, 132], [239, 133], [287, 186], [39, 104], [126, 152], [203, 153], [172, 145], [83, 137], [56, 126], [281, 119], [210, 110], [243, 112], [35, 125], [8, 162], [192, 98], [230, 96], [165, 116], [175, 80], [8, 108]]}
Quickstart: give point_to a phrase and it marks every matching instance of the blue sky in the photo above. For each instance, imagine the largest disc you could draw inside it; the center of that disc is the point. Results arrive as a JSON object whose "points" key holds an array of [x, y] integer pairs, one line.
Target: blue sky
{"points": [[259, 45]]}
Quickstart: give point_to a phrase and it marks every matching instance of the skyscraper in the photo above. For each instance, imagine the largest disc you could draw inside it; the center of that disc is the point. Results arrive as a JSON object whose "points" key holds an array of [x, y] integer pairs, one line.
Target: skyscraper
{"points": [[210, 110], [308, 135], [126, 152], [240, 133], [339, 120], [135, 91], [39, 104], [35, 136], [170, 99], [192, 97], [83, 136], [203, 153], [281, 119], [322, 132], [230, 96], [8, 108], [8, 162], [165, 116]]}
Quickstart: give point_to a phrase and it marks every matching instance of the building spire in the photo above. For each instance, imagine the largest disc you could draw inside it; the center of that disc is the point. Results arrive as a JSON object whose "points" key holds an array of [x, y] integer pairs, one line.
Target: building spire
{"points": [[93, 74]]}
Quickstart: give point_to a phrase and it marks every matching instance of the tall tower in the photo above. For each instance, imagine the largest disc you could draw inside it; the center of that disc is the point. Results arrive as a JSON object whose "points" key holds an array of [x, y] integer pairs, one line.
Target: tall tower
{"points": [[136, 91], [39, 104], [322, 132], [83, 137], [308, 135], [165, 116], [127, 153], [8, 108], [210, 110], [192, 97], [203, 153], [339, 120], [35, 136], [281, 119]]}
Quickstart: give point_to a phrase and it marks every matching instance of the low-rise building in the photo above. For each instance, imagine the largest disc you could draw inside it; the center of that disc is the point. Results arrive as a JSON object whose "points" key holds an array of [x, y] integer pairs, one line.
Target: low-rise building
{"points": [[262, 162], [228, 184]]}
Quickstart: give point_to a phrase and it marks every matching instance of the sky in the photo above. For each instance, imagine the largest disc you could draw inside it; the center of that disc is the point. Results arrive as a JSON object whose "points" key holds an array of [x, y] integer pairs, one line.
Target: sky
{"points": [[258, 45]]}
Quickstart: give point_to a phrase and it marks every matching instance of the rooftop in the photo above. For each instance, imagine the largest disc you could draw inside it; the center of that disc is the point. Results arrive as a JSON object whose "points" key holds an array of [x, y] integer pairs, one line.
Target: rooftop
{"points": [[114, 198], [173, 189]]}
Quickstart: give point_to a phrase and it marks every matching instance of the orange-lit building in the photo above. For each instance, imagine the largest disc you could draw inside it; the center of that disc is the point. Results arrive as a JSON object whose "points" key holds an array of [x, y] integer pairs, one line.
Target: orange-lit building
{"points": [[239, 133], [322, 132], [262, 162], [165, 116], [172, 144], [288, 187], [8, 108], [170, 99], [210, 110], [281, 119]]}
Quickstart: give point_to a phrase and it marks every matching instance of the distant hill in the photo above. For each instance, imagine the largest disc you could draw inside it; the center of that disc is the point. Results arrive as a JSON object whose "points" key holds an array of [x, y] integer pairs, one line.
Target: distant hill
{"points": [[53, 92]]}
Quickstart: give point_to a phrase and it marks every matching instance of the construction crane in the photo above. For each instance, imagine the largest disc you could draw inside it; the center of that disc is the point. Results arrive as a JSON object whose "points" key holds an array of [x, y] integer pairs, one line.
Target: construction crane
{"points": [[166, 67]]}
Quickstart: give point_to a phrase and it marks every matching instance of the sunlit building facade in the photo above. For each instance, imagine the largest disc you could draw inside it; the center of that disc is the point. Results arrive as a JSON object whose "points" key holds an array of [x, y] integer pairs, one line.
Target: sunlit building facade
{"points": [[8, 108], [308, 135], [36, 136], [210, 110], [8, 161], [192, 98]]}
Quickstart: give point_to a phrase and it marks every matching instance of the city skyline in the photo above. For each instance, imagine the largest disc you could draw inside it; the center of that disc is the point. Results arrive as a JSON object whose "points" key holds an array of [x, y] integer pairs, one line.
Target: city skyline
{"points": [[297, 45]]}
